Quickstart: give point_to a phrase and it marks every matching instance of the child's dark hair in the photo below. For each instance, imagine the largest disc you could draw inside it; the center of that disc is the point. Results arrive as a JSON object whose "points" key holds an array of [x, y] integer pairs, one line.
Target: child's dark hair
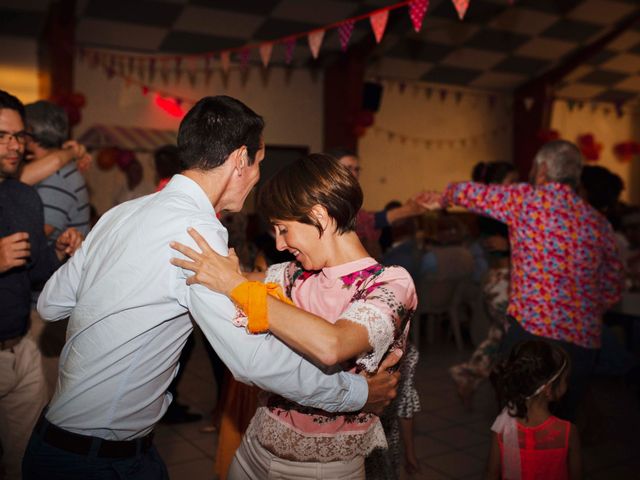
{"points": [[529, 366]]}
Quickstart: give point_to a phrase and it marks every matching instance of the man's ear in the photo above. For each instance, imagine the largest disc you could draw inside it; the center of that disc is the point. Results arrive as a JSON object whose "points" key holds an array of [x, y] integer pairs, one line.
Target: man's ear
{"points": [[240, 159]]}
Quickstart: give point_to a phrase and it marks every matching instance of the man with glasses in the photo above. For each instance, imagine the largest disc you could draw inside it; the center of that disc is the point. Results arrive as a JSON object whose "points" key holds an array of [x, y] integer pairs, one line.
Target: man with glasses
{"points": [[25, 258]]}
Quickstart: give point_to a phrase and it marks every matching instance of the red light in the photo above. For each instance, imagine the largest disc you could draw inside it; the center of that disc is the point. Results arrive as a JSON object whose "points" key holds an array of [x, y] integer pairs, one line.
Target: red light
{"points": [[169, 105]]}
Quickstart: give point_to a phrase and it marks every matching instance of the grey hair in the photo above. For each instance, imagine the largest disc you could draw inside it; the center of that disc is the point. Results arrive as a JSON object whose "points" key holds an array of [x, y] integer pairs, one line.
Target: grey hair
{"points": [[563, 162], [48, 123]]}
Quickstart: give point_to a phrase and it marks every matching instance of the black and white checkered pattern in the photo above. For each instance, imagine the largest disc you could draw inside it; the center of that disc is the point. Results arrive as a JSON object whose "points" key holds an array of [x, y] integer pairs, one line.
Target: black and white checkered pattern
{"points": [[497, 46]]}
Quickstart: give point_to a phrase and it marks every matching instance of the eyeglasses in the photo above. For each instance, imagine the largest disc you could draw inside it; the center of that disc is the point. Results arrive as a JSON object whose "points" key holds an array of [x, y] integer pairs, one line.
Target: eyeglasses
{"points": [[20, 137]]}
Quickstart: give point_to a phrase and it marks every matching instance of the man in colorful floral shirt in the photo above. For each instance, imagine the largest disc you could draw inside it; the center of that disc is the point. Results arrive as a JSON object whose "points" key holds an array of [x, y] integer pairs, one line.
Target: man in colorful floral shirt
{"points": [[565, 268]]}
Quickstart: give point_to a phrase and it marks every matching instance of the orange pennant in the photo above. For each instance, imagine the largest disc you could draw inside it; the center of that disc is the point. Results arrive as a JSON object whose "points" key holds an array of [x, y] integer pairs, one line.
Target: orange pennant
{"points": [[379, 24]]}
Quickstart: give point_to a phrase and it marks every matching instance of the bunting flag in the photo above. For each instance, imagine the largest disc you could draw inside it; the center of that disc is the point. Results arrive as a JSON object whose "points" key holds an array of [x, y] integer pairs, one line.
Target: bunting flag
{"points": [[145, 67], [528, 103], [315, 41], [379, 24], [344, 31], [461, 7], [225, 61], [417, 9], [265, 53], [289, 46], [244, 58]]}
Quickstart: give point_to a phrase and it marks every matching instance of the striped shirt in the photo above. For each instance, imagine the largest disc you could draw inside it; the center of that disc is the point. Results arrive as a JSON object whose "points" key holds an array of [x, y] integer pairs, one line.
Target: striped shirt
{"points": [[66, 201]]}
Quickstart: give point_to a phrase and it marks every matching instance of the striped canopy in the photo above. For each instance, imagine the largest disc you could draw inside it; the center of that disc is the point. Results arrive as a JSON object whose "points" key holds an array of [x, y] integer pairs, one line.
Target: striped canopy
{"points": [[127, 138]]}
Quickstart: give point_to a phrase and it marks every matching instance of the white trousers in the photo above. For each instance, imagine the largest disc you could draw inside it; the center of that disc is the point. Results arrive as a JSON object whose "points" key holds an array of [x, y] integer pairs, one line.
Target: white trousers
{"points": [[23, 395], [253, 462]]}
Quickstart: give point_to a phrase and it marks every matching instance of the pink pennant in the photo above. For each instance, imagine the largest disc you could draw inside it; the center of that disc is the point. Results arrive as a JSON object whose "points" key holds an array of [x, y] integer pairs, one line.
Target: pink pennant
{"points": [[289, 45], [344, 31], [265, 53], [379, 24], [417, 9], [244, 58], [315, 41], [461, 7], [225, 61]]}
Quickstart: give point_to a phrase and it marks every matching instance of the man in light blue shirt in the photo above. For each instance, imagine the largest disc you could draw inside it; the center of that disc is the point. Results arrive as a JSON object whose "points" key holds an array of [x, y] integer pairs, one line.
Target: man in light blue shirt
{"points": [[129, 314]]}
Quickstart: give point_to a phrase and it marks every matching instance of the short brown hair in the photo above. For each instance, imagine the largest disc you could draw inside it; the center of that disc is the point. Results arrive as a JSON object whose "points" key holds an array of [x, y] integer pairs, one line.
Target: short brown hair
{"points": [[313, 180]]}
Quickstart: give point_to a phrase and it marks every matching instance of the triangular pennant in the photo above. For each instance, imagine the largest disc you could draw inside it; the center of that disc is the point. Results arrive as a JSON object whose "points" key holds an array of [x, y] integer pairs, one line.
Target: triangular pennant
{"points": [[315, 41], [344, 31], [225, 61], [152, 69], [244, 58], [417, 9], [265, 53], [379, 24], [528, 103], [289, 45], [461, 7]]}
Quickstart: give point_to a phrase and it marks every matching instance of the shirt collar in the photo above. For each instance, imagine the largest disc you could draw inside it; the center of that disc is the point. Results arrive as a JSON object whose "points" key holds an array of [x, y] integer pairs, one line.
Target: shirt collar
{"points": [[182, 184], [348, 268]]}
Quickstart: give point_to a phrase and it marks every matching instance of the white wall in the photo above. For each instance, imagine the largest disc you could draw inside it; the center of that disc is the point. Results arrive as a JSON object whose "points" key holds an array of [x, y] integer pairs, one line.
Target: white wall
{"points": [[608, 129], [290, 100], [392, 169]]}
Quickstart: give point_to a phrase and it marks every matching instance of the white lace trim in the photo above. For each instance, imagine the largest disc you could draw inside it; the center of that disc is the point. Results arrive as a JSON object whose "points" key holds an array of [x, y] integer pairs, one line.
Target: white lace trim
{"points": [[277, 273], [380, 329], [289, 444]]}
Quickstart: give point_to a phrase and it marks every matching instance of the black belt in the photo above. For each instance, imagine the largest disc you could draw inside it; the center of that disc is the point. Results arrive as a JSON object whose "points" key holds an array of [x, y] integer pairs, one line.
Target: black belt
{"points": [[84, 444]]}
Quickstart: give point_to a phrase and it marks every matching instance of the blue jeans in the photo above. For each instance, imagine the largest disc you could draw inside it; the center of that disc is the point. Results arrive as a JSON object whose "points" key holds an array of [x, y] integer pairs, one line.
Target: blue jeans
{"points": [[43, 461], [583, 361]]}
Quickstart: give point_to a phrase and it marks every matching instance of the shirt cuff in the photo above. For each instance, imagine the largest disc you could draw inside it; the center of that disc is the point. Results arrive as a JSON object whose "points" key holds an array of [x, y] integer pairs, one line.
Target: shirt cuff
{"points": [[447, 197], [358, 393]]}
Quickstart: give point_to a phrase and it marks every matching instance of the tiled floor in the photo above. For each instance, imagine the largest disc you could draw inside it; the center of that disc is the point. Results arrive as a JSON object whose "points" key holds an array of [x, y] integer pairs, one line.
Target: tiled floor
{"points": [[450, 442]]}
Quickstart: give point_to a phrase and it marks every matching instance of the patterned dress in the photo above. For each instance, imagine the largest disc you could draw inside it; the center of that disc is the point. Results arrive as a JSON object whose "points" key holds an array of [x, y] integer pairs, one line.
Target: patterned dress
{"points": [[381, 299]]}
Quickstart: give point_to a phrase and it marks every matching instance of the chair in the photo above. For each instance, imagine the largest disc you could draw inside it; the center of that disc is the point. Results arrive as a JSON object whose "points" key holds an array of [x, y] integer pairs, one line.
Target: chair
{"points": [[440, 293]]}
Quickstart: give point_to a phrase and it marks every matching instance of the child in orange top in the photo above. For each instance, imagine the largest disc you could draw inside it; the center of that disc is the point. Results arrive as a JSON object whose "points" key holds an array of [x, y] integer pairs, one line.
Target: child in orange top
{"points": [[528, 442]]}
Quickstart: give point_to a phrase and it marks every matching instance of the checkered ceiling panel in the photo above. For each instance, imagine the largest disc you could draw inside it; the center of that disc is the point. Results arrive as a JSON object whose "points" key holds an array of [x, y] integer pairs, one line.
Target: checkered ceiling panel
{"points": [[499, 45]]}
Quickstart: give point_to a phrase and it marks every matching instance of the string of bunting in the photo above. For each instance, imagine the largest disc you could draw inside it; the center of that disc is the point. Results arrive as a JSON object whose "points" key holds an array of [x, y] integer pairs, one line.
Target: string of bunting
{"points": [[429, 143], [618, 107], [142, 69], [443, 93]]}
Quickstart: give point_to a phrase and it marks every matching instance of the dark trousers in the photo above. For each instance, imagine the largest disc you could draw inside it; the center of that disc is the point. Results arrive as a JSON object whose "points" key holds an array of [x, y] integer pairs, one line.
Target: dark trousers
{"points": [[583, 362], [45, 462]]}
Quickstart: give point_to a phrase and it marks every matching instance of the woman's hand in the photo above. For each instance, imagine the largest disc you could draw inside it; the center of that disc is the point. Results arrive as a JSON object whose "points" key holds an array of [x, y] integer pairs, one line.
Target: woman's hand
{"points": [[214, 271]]}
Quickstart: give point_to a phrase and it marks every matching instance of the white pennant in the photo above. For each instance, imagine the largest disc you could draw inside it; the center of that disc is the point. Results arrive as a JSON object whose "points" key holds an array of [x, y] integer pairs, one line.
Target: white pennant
{"points": [[315, 41], [528, 103], [265, 53], [225, 61]]}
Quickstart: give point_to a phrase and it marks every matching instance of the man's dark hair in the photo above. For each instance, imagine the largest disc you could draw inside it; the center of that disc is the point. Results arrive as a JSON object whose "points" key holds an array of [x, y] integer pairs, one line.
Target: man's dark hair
{"points": [[214, 128], [339, 152], [47, 123], [167, 161], [10, 102]]}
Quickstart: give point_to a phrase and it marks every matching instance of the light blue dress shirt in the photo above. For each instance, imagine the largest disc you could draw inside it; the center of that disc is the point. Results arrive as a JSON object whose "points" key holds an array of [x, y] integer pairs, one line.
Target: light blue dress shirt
{"points": [[129, 320]]}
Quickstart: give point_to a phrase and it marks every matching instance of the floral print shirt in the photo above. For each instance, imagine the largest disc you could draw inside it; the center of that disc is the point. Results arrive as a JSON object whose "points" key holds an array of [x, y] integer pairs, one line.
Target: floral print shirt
{"points": [[381, 299], [565, 269]]}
